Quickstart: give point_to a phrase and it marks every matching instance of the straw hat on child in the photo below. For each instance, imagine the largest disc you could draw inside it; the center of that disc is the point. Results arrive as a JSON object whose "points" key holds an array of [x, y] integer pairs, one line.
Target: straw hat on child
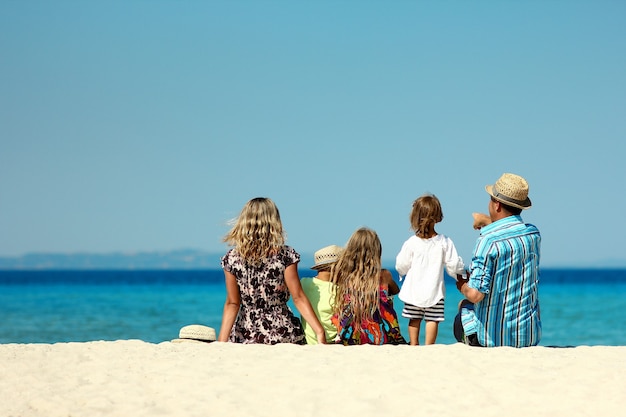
{"points": [[326, 256]]}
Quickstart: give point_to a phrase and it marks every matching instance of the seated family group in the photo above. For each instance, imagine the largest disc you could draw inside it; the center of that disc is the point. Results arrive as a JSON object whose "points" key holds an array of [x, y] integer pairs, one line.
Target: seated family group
{"points": [[350, 301]]}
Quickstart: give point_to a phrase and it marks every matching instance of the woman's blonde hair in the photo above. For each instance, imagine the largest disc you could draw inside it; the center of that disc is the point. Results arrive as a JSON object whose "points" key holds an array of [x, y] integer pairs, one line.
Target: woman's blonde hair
{"points": [[356, 275], [425, 213], [258, 232]]}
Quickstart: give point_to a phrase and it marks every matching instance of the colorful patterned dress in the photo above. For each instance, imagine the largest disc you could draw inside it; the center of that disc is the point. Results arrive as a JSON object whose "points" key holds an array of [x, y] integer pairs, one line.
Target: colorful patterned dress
{"points": [[381, 329], [264, 316]]}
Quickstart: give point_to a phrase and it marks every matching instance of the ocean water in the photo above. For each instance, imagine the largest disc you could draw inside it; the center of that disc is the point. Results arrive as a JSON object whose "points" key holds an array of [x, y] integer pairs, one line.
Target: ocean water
{"points": [[578, 307]]}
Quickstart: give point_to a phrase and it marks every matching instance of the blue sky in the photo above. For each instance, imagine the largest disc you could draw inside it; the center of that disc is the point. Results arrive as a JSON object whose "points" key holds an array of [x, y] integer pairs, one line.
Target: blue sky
{"points": [[146, 125]]}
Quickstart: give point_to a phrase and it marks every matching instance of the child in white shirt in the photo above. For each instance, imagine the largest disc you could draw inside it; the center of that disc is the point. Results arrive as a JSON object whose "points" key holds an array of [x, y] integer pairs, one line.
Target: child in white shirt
{"points": [[421, 262]]}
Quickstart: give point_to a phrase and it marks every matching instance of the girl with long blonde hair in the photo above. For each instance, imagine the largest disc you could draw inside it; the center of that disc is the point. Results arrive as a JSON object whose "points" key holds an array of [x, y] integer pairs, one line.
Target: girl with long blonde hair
{"points": [[261, 273], [363, 310]]}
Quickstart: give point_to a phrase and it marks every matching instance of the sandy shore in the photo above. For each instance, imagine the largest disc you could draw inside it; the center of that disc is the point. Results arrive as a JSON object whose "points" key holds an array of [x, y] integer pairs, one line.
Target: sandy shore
{"points": [[134, 378]]}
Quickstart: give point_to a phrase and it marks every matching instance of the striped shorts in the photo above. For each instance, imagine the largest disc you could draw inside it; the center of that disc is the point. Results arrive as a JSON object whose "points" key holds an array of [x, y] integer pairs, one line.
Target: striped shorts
{"points": [[433, 313]]}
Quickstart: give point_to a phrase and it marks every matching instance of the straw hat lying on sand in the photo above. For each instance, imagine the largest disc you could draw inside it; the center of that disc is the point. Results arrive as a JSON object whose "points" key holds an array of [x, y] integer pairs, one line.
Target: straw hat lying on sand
{"points": [[196, 333]]}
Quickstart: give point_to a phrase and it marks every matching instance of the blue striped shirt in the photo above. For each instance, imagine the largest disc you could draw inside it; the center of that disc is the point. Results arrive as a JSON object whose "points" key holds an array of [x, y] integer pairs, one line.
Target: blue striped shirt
{"points": [[505, 268]]}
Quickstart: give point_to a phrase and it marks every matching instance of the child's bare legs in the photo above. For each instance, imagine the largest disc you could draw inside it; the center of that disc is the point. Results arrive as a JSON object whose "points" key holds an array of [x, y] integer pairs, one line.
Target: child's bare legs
{"points": [[432, 328], [414, 331]]}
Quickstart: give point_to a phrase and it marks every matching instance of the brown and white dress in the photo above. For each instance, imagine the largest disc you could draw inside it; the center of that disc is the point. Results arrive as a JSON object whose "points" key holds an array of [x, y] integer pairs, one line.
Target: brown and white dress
{"points": [[264, 316]]}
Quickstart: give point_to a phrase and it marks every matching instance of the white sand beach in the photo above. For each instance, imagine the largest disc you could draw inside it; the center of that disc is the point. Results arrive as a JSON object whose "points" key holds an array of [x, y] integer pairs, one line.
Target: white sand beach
{"points": [[134, 378]]}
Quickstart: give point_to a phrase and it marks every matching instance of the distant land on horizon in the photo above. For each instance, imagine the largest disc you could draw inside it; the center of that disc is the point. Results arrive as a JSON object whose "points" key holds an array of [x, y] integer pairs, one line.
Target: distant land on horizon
{"points": [[179, 259], [173, 260]]}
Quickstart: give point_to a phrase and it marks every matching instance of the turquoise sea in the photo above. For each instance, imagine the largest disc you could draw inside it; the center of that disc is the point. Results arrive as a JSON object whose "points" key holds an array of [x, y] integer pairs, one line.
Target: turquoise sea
{"points": [[578, 307]]}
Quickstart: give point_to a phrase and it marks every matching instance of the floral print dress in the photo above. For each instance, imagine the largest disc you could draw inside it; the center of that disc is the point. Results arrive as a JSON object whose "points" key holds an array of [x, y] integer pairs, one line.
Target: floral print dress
{"points": [[264, 316]]}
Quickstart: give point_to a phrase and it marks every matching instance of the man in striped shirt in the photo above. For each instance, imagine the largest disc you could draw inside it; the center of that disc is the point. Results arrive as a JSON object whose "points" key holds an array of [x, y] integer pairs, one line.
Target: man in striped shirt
{"points": [[501, 306]]}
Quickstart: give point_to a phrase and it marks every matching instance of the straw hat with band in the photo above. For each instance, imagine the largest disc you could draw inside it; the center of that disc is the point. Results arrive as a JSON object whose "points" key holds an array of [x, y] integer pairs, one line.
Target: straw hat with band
{"points": [[510, 189], [326, 256]]}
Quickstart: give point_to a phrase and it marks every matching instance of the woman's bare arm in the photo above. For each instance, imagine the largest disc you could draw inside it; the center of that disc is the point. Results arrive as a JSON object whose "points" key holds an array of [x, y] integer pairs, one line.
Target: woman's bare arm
{"points": [[302, 303], [231, 306]]}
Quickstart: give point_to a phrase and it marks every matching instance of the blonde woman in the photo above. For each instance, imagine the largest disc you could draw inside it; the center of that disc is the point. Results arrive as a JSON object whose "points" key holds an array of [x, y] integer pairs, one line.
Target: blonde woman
{"points": [[363, 311], [261, 273]]}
